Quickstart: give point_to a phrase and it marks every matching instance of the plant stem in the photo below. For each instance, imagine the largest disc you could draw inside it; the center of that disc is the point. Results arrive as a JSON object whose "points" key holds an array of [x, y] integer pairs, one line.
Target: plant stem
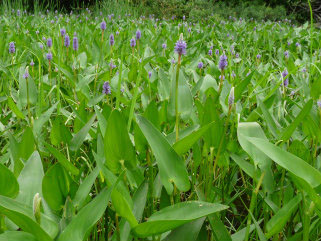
{"points": [[252, 206], [176, 97]]}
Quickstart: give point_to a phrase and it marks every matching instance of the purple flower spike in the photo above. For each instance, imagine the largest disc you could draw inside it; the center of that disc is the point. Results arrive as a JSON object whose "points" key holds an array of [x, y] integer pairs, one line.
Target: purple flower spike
{"points": [[217, 52], [67, 41], [200, 65], [210, 52], [258, 56], [286, 54], [103, 25], [132, 43], [138, 34], [286, 82], [319, 103], [111, 40], [180, 47], [62, 32], [75, 43], [223, 62], [297, 44], [49, 56], [32, 63], [49, 42], [164, 46], [149, 74], [12, 48], [106, 88], [231, 97], [285, 73], [26, 74]]}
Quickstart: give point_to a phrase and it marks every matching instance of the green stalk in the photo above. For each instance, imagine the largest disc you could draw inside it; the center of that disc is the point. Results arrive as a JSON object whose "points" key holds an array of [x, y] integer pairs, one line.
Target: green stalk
{"points": [[132, 107], [119, 80], [252, 206], [176, 97], [151, 180], [311, 30], [28, 103], [221, 140]]}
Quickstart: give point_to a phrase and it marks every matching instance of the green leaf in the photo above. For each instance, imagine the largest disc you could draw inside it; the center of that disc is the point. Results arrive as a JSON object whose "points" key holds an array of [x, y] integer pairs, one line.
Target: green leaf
{"points": [[240, 235], [288, 161], [30, 179], [17, 236], [27, 144], [242, 86], [171, 166], [268, 118], [219, 230], [139, 200], [56, 186], [183, 145], [253, 129], [123, 208], [79, 138], [23, 218], [88, 216], [15, 109], [41, 121], [118, 146], [174, 216], [278, 221], [62, 160], [9, 186], [186, 232], [291, 128], [84, 188]]}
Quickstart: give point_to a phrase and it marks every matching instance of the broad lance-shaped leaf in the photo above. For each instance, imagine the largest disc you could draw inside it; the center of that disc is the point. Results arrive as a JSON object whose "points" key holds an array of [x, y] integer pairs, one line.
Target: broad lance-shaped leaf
{"points": [[15, 109], [171, 166], [291, 128], [253, 129], [85, 187], [62, 159], [186, 232], [139, 201], [219, 230], [120, 196], [40, 122], [174, 216], [56, 186], [184, 144], [30, 179], [118, 146], [9, 186], [17, 236], [278, 221], [22, 216], [268, 118], [88, 216], [290, 162], [80, 136]]}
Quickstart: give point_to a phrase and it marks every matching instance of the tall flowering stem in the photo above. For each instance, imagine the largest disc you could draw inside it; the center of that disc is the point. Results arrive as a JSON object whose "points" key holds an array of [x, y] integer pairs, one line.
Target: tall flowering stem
{"points": [[26, 76], [222, 65], [180, 49], [176, 96]]}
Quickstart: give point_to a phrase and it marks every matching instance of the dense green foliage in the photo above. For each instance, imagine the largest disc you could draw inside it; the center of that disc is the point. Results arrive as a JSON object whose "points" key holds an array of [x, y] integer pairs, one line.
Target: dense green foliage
{"points": [[257, 9], [130, 140]]}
